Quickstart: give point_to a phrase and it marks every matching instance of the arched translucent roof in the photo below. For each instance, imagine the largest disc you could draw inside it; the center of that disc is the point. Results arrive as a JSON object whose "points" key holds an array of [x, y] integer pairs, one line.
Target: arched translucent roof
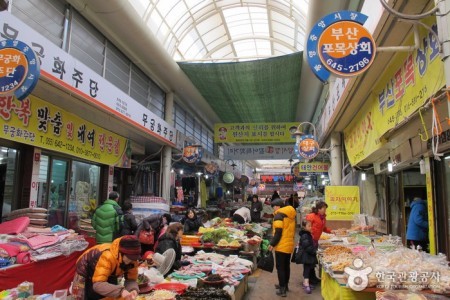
{"points": [[225, 30]]}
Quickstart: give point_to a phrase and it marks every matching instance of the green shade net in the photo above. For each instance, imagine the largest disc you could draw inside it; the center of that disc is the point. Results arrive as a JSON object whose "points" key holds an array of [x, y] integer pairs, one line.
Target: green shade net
{"points": [[250, 92]]}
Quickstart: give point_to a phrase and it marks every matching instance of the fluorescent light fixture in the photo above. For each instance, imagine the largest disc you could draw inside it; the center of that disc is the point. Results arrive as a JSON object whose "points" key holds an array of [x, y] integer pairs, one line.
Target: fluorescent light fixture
{"points": [[199, 173], [206, 176], [309, 186], [181, 171], [172, 170], [4, 150], [322, 176], [363, 176], [323, 182], [390, 166]]}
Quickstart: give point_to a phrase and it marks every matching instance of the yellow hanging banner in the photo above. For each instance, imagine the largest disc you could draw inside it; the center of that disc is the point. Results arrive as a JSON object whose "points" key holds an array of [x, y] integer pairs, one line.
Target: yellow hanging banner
{"points": [[408, 82], [430, 206], [255, 132], [36, 122], [343, 202]]}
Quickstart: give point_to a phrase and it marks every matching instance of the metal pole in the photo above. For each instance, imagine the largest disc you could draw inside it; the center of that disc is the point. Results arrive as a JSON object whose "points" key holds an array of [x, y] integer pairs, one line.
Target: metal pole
{"points": [[166, 159]]}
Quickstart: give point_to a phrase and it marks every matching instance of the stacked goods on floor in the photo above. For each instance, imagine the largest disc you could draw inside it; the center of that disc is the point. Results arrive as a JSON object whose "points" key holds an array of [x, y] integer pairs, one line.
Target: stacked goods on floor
{"points": [[38, 216]]}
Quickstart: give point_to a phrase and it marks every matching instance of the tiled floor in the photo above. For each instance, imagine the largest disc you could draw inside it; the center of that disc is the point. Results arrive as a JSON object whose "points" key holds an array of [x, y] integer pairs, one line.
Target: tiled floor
{"points": [[261, 286]]}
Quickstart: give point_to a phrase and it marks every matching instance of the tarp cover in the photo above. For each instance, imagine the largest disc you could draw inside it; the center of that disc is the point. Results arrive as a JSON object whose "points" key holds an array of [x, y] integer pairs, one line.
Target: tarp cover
{"points": [[252, 91]]}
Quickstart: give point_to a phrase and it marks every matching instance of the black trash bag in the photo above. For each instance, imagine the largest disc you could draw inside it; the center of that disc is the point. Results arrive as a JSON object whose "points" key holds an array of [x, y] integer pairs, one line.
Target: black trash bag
{"points": [[266, 262], [297, 255]]}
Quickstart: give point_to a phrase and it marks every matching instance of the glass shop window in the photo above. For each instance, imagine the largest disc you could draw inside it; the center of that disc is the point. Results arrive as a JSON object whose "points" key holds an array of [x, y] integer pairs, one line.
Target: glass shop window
{"points": [[8, 165], [84, 193]]}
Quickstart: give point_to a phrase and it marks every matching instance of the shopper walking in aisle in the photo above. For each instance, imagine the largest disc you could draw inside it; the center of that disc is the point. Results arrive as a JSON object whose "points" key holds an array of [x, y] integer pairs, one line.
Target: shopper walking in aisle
{"points": [[98, 270], [318, 225], [129, 220], [242, 215], [256, 209], [308, 257], [282, 242], [107, 219], [417, 230]]}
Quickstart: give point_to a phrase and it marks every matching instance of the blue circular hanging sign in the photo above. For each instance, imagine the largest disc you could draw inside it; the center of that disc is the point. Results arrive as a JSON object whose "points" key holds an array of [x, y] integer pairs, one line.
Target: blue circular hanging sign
{"points": [[19, 69], [307, 147]]}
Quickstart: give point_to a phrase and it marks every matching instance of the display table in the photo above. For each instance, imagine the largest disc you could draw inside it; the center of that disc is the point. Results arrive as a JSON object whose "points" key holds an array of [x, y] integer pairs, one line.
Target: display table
{"points": [[47, 275], [332, 290], [241, 289]]}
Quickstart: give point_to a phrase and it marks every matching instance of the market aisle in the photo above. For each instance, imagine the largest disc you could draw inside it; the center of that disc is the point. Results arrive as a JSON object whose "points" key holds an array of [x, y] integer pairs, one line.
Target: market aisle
{"points": [[261, 286]]}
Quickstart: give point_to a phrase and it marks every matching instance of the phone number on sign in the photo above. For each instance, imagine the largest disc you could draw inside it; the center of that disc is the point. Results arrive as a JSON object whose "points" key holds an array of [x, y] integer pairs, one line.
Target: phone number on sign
{"points": [[351, 68]]}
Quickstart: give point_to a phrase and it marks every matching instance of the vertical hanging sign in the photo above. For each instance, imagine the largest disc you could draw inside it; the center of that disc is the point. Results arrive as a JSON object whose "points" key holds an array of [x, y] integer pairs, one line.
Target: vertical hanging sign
{"points": [[339, 44]]}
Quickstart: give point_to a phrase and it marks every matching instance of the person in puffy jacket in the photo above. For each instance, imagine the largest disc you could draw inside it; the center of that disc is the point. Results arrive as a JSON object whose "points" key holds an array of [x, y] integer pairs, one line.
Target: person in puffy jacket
{"points": [[171, 240], [98, 270], [191, 222], [129, 220], [308, 257], [282, 242], [318, 225], [106, 219], [417, 230]]}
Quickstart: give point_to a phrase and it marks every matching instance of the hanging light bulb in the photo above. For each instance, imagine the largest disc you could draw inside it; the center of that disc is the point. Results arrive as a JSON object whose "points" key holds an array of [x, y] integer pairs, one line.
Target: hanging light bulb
{"points": [[390, 166], [206, 176], [363, 176], [172, 170], [181, 171]]}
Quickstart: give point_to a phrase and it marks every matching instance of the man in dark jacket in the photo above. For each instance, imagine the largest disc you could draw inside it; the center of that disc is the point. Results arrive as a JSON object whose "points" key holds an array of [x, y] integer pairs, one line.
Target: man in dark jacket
{"points": [[107, 219], [256, 209], [129, 220]]}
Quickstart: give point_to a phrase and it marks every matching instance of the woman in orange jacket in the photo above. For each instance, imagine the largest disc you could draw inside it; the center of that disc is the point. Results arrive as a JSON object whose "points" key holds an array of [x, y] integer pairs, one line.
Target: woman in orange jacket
{"points": [[318, 225]]}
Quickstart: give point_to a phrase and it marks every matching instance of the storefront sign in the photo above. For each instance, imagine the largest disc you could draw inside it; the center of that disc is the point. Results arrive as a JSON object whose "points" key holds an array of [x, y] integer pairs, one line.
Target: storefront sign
{"points": [[19, 69], [212, 168], [408, 82], [305, 169], [63, 69], [258, 152], [36, 122], [254, 132], [339, 44], [307, 147], [343, 202], [192, 154], [276, 178]]}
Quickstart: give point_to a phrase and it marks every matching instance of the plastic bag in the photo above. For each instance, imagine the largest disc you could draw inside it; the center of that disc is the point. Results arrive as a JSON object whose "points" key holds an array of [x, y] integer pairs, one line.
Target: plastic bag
{"points": [[266, 262], [297, 255]]}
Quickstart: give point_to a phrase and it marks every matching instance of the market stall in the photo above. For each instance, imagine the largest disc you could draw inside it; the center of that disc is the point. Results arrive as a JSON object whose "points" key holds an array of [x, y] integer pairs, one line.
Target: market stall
{"points": [[381, 262]]}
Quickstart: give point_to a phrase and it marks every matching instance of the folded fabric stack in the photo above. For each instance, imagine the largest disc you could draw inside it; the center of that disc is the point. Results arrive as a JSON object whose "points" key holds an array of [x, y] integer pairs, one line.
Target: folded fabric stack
{"points": [[38, 216], [86, 226]]}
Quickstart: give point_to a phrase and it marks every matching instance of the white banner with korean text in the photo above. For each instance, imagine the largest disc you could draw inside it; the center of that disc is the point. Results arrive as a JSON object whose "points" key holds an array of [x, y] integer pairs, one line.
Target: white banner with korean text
{"points": [[258, 152]]}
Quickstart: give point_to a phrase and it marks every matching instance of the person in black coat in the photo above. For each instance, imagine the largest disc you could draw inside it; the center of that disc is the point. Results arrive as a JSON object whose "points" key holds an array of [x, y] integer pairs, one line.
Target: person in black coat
{"points": [[309, 251], [152, 223], [129, 220], [192, 223], [255, 210], [171, 240]]}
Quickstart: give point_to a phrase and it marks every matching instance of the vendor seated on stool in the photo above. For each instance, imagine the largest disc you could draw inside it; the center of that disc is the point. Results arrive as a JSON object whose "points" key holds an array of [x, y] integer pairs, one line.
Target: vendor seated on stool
{"points": [[98, 270], [242, 215]]}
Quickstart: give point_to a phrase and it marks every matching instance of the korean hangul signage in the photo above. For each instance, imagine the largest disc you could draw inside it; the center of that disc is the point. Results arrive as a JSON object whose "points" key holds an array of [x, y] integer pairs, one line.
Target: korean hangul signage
{"points": [[305, 169], [406, 84], [19, 69], [192, 154], [36, 122], [250, 152], [255, 133], [61, 68], [343, 202], [339, 44], [307, 147]]}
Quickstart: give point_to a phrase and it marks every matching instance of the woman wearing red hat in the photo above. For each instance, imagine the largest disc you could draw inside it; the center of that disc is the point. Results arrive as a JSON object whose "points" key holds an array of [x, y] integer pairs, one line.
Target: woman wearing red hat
{"points": [[98, 270]]}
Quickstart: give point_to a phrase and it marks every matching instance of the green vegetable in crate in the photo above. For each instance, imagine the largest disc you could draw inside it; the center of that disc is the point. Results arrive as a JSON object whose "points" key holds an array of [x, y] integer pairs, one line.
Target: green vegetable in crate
{"points": [[216, 235]]}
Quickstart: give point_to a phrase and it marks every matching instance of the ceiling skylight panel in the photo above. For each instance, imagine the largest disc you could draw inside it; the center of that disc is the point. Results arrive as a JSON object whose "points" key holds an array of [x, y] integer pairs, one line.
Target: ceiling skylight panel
{"points": [[166, 6], [281, 49], [187, 41], [245, 47], [176, 14], [215, 43], [223, 52], [139, 6], [213, 35], [155, 20], [209, 24], [203, 11], [263, 47], [260, 28], [241, 30]]}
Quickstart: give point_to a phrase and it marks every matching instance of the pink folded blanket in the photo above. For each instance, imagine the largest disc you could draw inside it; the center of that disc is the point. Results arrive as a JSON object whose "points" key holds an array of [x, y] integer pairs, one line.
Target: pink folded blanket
{"points": [[15, 226], [37, 241]]}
